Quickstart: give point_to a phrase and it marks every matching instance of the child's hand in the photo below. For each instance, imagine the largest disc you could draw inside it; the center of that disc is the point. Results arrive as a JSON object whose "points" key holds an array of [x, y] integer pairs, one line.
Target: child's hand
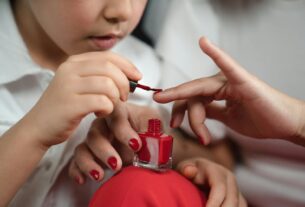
{"points": [[90, 82], [252, 107], [111, 141], [221, 182]]}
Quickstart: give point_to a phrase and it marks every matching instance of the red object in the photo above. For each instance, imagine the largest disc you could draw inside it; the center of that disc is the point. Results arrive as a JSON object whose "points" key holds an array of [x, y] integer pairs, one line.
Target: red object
{"points": [[112, 162], [95, 174], [134, 84], [134, 144], [156, 146], [147, 88], [141, 187]]}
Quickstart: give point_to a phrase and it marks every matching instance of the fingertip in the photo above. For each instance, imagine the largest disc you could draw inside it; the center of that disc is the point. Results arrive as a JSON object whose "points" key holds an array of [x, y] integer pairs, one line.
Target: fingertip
{"points": [[176, 120], [171, 123], [137, 75], [114, 163], [135, 144], [79, 179], [96, 174], [124, 98], [190, 171], [204, 42], [159, 97], [204, 139]]}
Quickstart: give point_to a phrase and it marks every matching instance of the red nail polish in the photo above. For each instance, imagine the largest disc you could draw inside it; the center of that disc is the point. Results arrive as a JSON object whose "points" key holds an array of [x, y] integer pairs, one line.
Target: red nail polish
{"points": [[134, 144], [171, 124], [156, 151], [77, 180], [95, 174], [201, 140], [112, 162]]}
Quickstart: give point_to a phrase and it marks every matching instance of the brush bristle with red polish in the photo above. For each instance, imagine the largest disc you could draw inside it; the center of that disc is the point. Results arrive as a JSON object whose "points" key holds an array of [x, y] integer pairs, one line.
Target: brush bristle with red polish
{"points": [[144, 87]]}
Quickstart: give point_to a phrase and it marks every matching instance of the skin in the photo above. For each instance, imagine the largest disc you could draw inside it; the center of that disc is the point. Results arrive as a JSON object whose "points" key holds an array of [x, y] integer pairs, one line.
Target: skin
{"points": [[104, 141], [223, 187], [56, 34], [251, 107]]}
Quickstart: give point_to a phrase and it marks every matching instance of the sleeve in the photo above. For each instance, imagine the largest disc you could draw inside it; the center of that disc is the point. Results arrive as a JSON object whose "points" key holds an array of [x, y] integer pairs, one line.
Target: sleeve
{"points": [[4, 126], [10, 111]]}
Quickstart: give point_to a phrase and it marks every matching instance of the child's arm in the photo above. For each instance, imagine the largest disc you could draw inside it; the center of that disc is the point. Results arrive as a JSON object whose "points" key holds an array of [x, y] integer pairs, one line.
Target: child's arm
{"points": [[91, 82], [252, 107]]}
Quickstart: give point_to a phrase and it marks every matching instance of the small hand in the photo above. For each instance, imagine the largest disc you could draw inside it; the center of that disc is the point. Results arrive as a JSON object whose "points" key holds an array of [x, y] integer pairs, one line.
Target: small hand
{"points": [[86, 83], [221, 182], [111, 142]]}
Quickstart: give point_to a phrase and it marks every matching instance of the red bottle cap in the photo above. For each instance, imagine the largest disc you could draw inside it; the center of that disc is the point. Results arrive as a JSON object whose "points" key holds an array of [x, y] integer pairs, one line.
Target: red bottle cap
{"points": [[154, 127]]}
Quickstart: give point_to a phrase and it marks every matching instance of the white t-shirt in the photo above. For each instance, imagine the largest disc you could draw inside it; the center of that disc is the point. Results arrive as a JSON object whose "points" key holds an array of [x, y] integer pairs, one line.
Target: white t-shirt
{"points": [[22, 82], [268, 38]]}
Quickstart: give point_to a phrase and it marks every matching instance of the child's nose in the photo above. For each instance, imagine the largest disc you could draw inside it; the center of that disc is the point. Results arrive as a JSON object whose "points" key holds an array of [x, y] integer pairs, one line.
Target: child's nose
{"points": [[118, 10]]}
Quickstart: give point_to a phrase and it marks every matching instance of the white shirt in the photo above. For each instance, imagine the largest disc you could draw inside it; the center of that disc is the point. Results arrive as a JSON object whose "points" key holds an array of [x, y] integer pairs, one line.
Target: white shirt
{"points": [[22, 82], [268, 38]]}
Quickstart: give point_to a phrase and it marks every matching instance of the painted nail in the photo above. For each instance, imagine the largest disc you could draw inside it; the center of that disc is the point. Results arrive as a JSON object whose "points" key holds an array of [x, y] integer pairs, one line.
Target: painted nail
{"points": [[171, 124], [95, 174], [134, 144], [112, 162], [201, 140], [77, 180]]}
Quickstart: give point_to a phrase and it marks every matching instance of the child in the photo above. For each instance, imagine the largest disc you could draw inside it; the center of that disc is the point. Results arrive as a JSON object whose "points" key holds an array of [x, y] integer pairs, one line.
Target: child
{"points": [[50, 32], [56, 71]]}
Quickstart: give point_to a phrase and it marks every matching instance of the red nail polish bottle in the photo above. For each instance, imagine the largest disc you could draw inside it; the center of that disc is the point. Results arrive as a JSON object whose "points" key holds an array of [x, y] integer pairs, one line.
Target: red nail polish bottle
{"points": [[156, 151]]}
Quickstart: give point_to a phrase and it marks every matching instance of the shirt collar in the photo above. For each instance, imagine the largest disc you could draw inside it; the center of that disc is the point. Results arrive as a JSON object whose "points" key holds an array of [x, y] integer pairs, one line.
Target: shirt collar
{"points": [[15, 61]]}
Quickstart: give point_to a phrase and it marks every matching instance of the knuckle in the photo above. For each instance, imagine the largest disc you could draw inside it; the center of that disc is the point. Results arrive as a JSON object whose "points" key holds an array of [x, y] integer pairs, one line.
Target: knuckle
{"points": [[108, 64], [102, 104], [108, 83]]}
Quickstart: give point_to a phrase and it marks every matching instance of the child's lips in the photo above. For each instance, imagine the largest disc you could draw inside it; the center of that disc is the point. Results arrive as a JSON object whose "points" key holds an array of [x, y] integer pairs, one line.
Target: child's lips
{"points": [[104, 42]]}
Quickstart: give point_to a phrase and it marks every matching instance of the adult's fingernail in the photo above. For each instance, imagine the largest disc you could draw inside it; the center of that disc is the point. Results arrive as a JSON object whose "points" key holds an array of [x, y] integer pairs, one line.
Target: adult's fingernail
{"points": [[201, 140], [171, 124], [77, 180], [95, 174], [112, 162], [134, 144]]}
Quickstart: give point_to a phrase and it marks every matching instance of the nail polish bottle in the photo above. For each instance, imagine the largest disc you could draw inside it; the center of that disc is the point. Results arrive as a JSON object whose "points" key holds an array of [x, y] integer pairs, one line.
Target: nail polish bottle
{"points": [[156, 151]]}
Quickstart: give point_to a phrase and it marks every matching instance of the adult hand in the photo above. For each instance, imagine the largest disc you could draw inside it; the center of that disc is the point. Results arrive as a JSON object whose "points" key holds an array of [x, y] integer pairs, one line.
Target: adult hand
{"points": [[252, 107]]}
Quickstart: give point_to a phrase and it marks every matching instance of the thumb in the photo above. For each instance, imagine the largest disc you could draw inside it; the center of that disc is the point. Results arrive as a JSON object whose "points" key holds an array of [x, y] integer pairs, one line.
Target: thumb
{"points": [[230, 68]]}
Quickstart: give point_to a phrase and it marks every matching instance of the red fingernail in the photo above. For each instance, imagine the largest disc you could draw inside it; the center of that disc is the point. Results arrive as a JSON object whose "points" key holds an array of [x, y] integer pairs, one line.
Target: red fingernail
{"points": [[134, 144], [95, 174], [77, 180], [171, 124], [201, 140], [112, 162]]}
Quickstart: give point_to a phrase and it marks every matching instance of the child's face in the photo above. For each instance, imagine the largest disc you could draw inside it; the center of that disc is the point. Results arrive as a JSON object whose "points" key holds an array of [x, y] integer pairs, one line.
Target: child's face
{"points": [[77, 26]]}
